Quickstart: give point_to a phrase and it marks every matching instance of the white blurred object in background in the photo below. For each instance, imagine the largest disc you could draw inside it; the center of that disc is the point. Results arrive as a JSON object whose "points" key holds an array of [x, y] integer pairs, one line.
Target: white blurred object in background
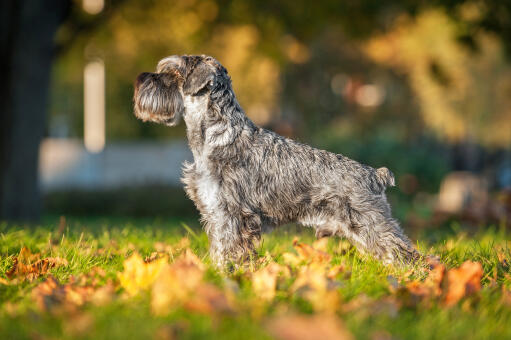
{"points": [[94, 106]]}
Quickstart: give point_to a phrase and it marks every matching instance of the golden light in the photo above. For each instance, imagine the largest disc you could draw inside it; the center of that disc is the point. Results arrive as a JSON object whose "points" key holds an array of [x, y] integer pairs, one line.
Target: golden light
{"points": [[93, 6]]}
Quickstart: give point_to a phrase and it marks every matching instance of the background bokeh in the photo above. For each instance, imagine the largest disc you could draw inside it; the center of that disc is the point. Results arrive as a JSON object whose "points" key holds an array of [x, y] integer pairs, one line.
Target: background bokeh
{"points": [[423, 88]]}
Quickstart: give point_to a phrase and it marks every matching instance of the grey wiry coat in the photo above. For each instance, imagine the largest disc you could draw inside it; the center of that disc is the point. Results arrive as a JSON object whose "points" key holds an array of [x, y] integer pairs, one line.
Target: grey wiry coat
{"points": [[244, 177]]}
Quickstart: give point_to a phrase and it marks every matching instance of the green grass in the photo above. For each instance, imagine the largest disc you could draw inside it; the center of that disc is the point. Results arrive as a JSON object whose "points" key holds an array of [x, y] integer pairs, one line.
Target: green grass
{"points": [[107, 242]]}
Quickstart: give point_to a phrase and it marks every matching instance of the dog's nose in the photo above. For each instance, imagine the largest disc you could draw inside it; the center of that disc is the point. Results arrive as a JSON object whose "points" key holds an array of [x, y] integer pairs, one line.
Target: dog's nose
{"points": [[142, 77]]}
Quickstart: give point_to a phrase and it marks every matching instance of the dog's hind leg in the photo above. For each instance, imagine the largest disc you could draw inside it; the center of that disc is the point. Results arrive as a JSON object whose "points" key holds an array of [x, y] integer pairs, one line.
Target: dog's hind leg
{"points": [[375, 232]]}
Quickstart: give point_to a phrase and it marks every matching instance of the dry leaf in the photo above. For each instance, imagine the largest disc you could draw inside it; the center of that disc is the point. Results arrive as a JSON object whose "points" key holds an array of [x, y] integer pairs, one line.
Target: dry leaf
{"points": [[431, 287], [175, 282], [264, 281], [138, 275], [321, 244], [450, 286], [180, 284], [208, 299], [463, 281], [28, 266], [313, 284], [306, 253], [310, 253], [52, 296], [300, 327], [291, 259]]}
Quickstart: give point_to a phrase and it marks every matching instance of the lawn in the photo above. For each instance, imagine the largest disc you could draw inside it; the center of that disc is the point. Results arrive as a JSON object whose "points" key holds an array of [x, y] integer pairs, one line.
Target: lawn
{"points": [[115, 278]]}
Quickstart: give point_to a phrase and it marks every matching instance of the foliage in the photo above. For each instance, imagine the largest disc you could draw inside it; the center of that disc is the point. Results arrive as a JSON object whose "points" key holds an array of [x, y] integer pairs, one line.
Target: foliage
{"points": [[118, 280], [284, 55], [463, 95]]}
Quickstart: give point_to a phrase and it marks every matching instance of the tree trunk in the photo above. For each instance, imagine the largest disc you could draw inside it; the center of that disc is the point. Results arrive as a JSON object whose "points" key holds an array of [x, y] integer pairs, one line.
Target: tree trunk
{"points": [[27, 44]]}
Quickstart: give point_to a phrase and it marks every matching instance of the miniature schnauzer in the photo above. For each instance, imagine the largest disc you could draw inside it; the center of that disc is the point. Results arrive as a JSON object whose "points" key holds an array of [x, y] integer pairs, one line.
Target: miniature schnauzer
{"points": [[245, 177]]}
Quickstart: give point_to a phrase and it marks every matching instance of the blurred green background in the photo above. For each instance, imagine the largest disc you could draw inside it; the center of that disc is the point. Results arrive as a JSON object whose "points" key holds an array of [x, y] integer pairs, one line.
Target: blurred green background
{"points": [[422, 87]]}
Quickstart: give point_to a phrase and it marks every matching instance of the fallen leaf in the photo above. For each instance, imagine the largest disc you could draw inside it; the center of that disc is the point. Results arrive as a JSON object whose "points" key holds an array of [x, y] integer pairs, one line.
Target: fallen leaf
{"points": [[334, 271], [321, 244], [310, 253], [28, 266], [463, 281], [448, 286], [300, 327], [154, 256], [139, 275], [431, 287], [313, 284], [264, 281], [176, 282], [208, 299], [291, 259], [52, 296]]}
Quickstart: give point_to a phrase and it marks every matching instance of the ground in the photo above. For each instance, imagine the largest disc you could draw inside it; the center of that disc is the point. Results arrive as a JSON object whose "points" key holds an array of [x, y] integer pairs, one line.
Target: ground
{"points": [[119, 278]]}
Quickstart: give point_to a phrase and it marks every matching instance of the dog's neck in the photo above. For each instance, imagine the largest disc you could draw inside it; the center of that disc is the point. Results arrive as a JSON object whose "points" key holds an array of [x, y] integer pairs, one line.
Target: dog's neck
{"points": [[214, 122]]}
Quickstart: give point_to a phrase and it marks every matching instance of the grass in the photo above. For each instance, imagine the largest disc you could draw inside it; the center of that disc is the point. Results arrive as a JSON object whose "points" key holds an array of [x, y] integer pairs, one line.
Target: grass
{"points": [[369, 308]]}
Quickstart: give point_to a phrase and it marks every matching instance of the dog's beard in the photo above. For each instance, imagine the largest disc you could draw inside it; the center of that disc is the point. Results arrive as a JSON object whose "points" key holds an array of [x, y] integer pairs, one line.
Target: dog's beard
{"points": [[159, 103]]}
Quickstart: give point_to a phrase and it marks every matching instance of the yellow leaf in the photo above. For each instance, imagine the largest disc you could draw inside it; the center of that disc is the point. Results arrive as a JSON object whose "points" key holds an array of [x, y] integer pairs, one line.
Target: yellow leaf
{"points": [[314, 285], [264, 281], [138, 275], [176, 282], [291, 259]]}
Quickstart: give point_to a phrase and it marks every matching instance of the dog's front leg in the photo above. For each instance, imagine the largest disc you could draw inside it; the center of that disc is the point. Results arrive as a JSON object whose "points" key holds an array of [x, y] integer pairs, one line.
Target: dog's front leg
{"points": [[225, 241]]}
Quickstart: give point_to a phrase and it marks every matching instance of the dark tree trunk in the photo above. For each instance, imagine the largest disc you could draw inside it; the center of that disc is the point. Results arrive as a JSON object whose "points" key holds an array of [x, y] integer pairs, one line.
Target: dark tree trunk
{"points": [[26, 53]]}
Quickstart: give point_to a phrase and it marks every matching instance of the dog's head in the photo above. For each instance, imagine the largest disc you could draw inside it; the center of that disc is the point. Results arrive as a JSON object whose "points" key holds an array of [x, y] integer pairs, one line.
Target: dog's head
{"points": [[181, 84]]}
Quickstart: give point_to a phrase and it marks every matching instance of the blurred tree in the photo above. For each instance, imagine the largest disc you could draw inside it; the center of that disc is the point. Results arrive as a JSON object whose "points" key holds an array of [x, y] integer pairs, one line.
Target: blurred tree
{"points": [[257, 41], [27, 49], [27, 32]]}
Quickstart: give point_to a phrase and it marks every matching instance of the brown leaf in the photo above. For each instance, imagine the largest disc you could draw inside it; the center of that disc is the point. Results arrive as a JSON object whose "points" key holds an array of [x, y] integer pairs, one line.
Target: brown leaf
{"points": [[431, 287], [463, 281], [300, 327], [154, 256], [310, 253], [28, 266], [208, 299], [52, 296]]}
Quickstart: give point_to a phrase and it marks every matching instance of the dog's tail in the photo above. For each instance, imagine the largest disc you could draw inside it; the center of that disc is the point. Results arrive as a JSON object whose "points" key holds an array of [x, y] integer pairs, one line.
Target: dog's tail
{"points": [[384, 178]]}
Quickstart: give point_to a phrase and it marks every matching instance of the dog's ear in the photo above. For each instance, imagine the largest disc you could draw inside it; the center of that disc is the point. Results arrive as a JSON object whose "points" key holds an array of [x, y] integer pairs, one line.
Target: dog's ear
{"points": [[201, 78], [175, 106]]}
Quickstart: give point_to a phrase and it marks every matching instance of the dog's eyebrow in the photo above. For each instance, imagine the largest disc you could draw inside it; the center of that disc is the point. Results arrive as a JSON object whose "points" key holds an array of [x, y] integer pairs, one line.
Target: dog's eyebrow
{"points": [[195, 60]]}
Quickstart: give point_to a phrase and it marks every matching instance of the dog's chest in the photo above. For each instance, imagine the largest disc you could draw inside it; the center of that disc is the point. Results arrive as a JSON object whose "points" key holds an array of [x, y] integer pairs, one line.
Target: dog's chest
{"points": [[207, 186]]}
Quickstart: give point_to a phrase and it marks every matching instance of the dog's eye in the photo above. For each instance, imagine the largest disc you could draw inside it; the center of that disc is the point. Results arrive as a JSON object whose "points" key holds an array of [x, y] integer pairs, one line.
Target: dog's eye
{"points": [[205, 89]]}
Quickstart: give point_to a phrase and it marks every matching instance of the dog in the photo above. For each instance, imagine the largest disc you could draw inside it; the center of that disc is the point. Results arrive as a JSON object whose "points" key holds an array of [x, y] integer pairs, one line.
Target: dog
{"points": [[244, 177]]}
